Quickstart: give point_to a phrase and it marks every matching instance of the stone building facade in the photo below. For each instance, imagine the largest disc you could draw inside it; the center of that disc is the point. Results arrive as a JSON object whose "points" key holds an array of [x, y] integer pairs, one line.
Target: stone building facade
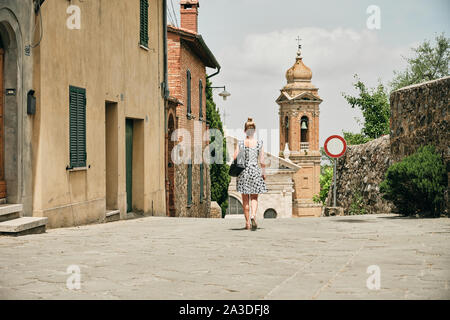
{"points": [[95, 142], [188, 183], [299, 135], [277, 202]]}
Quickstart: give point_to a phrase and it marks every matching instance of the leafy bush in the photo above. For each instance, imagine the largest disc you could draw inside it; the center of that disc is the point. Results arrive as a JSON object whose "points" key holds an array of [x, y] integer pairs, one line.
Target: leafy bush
{"points": [[430, 62], [416, 185], [326, 179], [357, 204], [355, 138], [220, 179], [375, 108]]}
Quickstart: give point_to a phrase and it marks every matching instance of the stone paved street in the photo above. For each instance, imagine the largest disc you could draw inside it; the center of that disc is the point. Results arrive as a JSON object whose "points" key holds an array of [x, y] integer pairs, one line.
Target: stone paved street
{"points": [[163, 258]]}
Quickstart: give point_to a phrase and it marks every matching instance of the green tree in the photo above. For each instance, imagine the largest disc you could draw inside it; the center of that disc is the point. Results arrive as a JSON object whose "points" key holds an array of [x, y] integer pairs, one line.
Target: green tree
{"points": [[325, 159], [355, 138], [220, 179], [375, 108], [429, 63], [416, 185], [326, 179]]}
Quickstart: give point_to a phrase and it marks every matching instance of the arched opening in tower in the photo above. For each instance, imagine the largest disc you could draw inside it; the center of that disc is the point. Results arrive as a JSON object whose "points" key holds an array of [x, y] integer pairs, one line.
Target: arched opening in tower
{"points": [[304, 133], [286, 129]]}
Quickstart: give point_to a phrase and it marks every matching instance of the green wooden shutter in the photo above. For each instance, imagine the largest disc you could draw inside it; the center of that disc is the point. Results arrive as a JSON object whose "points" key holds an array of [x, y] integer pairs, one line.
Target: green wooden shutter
{"points": [[188, 78], [144, 23], [200, 99], [77, 127], [201, 182], [189, 183]]}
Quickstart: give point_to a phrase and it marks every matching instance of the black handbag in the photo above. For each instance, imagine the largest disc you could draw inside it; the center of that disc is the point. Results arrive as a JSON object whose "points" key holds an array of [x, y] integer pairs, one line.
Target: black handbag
{"points": [[238, 164]]}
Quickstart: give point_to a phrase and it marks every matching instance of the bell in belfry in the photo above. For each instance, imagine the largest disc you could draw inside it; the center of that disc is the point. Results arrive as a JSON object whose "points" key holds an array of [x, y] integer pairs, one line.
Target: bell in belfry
{"points": [[304, 125]]}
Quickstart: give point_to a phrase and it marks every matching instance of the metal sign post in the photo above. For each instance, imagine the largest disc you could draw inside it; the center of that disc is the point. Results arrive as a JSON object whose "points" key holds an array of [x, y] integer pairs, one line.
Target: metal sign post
{"points": [[335, 147], [334, 182]]}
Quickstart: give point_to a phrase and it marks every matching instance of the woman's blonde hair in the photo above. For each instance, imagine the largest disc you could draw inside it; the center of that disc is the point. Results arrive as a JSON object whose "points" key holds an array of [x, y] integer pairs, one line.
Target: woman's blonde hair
{"points": [[250, 124]]}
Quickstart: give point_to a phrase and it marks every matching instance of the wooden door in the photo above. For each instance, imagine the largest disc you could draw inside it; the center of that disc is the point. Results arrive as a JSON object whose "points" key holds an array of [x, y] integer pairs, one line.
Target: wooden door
{"points": [[2, 140], [129, 162]]}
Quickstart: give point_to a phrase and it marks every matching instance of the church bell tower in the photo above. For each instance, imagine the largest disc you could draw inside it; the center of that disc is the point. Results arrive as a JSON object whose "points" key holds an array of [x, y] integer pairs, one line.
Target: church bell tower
{"points": [[299, 135]]}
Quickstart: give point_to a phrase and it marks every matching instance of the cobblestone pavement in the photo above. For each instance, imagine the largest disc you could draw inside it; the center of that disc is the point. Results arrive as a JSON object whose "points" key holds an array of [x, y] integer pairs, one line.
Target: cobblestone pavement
{"points": [[169, 258]]}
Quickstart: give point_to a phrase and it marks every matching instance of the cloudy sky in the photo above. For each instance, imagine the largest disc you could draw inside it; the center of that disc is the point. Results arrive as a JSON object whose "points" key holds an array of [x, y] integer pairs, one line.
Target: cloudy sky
{"points": [[254, 41]]}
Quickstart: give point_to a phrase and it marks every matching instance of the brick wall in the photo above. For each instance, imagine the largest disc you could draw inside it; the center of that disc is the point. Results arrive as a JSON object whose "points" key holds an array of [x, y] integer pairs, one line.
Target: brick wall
{"points": [[181, 58]]}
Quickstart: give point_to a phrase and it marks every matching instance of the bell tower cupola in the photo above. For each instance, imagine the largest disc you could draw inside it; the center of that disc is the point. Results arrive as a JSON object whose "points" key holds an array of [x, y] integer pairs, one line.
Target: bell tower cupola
{"points": [[299, 133]]}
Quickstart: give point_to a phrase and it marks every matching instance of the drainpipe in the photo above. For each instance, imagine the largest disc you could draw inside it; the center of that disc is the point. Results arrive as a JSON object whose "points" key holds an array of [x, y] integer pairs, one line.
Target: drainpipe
{"points": [[214, 74], [166, 77], [165, 88]]}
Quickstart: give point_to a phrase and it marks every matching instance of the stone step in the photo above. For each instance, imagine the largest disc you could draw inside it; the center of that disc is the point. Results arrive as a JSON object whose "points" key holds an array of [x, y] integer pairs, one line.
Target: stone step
{"points": [[10, 211], [23, 226], [112, 215]]}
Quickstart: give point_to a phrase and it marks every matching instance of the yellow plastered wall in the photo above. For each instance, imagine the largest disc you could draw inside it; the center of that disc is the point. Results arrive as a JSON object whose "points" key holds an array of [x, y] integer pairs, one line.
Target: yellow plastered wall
{"points": [[105, 58]]}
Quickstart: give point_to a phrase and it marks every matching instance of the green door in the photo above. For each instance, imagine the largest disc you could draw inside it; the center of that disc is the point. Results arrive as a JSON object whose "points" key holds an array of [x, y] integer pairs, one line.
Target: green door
{"points": [[129, 162]]}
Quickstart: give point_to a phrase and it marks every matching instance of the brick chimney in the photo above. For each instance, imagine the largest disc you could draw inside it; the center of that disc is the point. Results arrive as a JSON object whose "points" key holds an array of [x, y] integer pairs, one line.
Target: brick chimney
{"points": [[189, 14]]}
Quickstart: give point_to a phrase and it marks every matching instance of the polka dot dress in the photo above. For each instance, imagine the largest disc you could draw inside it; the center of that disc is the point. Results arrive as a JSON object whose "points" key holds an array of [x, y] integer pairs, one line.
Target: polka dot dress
{"points": [[250, 180]]}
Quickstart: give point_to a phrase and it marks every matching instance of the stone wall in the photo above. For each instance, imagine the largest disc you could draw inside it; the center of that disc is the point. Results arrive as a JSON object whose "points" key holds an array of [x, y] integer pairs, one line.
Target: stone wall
{"points": [[359, 173], [419, 116], [197, 209]]}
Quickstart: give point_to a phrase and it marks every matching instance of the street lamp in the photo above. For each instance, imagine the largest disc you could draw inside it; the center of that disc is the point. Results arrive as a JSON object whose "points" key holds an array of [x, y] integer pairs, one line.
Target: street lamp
{"points": [[224, 94]]}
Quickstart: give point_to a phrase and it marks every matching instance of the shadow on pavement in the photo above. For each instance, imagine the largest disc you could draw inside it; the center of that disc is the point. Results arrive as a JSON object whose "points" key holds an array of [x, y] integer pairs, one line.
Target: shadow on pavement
{"points": [[243, 229], [400, 217], [353, 221]]}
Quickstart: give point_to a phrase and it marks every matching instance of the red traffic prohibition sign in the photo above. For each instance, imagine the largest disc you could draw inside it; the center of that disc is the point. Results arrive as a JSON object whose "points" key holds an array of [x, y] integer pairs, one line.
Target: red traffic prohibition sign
{"points": [[335, 146]]}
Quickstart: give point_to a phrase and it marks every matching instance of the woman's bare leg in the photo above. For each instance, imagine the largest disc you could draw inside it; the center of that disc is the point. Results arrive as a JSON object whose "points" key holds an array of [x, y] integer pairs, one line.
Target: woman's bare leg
{"points": [[254, 204], [246, 205]]}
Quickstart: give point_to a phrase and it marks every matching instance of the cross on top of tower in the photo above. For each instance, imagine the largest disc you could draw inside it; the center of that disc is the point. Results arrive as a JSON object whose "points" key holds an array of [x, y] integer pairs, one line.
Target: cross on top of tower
{"points": [[298, 40], [299, 51]]}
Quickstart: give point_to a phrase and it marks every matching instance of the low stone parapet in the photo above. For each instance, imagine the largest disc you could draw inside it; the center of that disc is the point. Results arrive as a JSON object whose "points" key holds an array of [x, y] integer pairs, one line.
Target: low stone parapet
{"points": [[216, 210], [333, 211]]}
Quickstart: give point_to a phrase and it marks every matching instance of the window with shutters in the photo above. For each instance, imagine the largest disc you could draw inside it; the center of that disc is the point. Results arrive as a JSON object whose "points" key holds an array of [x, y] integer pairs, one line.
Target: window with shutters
{"points": [[201, 182], [200, 99], [189, 183], [144, 23], [77, 127], [188, 98]]}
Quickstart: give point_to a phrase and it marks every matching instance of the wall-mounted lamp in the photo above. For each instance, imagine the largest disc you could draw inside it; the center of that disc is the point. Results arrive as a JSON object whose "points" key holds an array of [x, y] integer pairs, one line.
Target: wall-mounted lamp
{"points": [[224, 94]]}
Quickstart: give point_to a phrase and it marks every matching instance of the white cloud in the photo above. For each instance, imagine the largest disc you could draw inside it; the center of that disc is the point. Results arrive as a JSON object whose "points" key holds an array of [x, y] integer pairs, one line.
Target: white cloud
{"points": [[254, 72]]}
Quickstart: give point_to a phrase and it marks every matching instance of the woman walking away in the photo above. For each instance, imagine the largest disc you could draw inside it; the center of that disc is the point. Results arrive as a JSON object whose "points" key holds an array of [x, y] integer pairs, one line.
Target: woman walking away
{"points": [[251, 181]]}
